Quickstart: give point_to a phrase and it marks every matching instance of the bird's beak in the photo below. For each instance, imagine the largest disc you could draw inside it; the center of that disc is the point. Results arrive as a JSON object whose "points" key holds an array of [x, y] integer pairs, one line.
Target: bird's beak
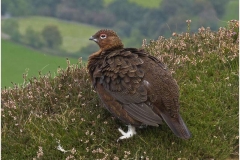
{"points": [[93, 39]]}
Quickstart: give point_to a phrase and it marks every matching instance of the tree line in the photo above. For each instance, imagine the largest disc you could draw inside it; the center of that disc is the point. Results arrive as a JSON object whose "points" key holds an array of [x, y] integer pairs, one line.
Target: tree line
{"points": [[50, 37], [129, 19], [122, 14]]}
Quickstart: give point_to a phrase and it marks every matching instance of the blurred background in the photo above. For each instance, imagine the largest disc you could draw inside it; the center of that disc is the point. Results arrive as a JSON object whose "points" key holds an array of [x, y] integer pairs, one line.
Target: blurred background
{"points": [[38, 35]]}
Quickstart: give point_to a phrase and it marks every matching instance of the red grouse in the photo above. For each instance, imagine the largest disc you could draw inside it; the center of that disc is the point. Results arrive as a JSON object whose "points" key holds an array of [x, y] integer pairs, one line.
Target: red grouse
{"points": [[134, 86]]}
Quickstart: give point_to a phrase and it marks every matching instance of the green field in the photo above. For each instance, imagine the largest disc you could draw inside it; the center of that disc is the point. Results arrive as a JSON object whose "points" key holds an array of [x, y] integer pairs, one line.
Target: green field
{"points": [[147, 4], [231, 10], [75, 35], [18, 59]]}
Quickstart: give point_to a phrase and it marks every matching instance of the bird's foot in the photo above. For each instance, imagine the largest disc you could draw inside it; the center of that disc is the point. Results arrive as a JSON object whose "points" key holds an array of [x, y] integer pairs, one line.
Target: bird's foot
{"points": [[125, 135]]}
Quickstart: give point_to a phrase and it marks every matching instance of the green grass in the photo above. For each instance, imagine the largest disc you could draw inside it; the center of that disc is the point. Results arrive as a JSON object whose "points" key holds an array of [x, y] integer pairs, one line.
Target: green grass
{"points": [[231, 9], [107, 2], [148, 3], [143, 3], [75, 35], [18, 59], [66, 111]]}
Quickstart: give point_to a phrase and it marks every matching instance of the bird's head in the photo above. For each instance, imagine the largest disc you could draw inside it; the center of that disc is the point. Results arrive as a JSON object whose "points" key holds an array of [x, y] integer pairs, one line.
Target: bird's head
{"points": [[107, 40]]}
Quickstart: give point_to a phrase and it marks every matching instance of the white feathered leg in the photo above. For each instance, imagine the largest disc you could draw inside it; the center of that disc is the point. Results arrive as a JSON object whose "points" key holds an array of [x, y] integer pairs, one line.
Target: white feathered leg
{"points": [[125, 135]]}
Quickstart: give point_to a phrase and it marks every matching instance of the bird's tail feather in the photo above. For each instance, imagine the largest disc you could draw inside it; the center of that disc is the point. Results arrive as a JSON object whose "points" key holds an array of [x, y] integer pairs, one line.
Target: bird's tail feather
{"points": [[177, 125]]}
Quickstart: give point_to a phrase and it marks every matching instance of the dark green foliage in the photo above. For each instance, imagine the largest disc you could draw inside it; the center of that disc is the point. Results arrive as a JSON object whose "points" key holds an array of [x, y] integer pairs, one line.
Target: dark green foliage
{"points": [[44, 7], [16, 36], [121, 9], [11, 27], [49, 111], [52, 36], [33, 38], [91, 12], [219, 6], [86, 51], [123, 28], [128, 18], [17, 8], [161, 20]]}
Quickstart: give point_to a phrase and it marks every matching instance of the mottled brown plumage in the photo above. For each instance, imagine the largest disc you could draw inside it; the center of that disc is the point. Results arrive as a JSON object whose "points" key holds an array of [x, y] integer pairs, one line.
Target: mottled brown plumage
{"points": [[133, 85]]}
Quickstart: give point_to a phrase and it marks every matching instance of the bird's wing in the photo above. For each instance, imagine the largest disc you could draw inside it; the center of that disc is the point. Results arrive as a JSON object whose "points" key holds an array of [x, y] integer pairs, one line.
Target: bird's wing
{"points": [[165, 95], [123, 79], [137, 87], [122, 76]]}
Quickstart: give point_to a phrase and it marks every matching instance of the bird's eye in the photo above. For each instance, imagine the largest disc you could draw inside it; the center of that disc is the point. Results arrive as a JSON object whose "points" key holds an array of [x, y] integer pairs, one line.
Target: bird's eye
{"points": [[103, 36]]}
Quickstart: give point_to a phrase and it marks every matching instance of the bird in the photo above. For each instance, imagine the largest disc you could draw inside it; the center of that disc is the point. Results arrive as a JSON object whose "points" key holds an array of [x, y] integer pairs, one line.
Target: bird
{"points": [[134, 86]]}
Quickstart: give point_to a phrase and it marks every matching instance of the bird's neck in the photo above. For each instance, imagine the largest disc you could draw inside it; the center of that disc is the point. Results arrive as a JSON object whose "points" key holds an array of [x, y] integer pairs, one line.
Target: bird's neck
{"points": [[93, 58]]}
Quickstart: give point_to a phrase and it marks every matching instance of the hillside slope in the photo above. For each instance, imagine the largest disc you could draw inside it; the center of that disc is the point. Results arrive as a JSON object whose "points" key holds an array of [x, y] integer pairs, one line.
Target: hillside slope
{"points": [[18, 60], [61, 117]]}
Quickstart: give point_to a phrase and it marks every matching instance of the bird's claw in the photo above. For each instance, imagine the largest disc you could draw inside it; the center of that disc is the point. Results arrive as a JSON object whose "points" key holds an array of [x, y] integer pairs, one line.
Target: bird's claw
{"points": [[125, 135]]}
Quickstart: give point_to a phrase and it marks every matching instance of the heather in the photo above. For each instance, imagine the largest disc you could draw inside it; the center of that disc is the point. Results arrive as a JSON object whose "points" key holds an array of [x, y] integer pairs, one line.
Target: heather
{"points": [[60, 116]]}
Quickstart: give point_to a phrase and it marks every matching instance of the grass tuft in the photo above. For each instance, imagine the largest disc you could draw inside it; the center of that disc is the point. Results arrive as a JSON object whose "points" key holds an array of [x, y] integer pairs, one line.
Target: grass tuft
{"points": [[61, 117]]}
